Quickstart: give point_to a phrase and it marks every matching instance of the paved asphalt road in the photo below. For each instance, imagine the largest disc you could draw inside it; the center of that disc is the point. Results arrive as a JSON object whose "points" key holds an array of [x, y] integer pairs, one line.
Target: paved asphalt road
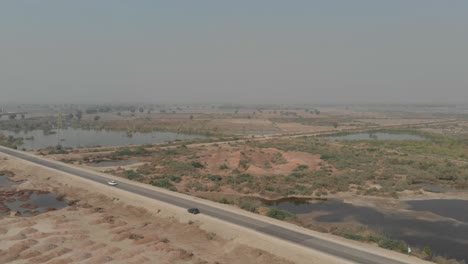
{"points": [[316, 243]]}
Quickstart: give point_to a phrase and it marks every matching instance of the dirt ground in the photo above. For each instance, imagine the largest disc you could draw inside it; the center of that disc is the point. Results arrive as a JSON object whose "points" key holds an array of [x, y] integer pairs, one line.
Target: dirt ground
{"points": [[107, 225], [101, 229], [266, 161]]}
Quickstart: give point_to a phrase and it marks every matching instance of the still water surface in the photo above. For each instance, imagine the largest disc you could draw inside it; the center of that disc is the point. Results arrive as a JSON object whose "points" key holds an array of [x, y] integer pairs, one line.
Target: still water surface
{"points": [[447, 237], [73, 138]]}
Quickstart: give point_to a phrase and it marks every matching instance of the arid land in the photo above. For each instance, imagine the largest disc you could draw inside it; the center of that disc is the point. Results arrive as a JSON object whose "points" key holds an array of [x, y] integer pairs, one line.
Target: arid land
{"points": [[257, 155]]}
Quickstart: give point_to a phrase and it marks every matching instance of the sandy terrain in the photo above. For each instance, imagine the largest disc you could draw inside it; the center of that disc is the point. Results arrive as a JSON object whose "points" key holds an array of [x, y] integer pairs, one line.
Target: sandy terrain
{"points": [[107, 226], [265, 161]]}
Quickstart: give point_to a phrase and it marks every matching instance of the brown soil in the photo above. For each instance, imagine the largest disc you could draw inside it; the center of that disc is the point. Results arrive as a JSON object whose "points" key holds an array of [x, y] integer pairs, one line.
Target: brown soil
{"points": [[255, 161], [101, 229]]}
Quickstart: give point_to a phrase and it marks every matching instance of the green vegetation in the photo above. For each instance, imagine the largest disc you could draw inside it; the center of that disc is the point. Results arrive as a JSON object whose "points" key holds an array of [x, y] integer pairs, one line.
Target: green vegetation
{"points": [[132, 175], [278, 214], [10, 141], [394, 165], [354, 237], [301, 168], [393, 245], [139, 151], [164, 183], [197, 165], [224, 167]]}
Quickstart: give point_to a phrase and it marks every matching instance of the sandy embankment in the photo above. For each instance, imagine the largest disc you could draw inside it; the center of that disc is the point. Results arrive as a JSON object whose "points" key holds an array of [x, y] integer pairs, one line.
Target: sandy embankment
{"points": [[230, 239], [113, 226]]}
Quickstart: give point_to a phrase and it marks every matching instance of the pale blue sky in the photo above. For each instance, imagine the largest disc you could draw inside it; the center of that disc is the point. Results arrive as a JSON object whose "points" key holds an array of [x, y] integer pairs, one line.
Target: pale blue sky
{"points": [[234, 51]]}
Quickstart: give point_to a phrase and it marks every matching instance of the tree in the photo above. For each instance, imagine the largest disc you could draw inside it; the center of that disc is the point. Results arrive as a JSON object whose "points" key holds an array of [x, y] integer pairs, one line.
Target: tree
{"points": [[96, 118], [12, 116], [141, 109], [191, 117], [70, 116], [317, 112], [335, 124], [22, 116]]}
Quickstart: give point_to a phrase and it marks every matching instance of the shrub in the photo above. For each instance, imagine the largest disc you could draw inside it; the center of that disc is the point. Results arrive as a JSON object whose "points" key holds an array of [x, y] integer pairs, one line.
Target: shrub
{"points": [[354, 237], [223, 167], [163, 184], [301, 167], [215, 178], [132, 175], [175, 179], [427, 251], [170, 152], [197, 165], [393, 245], [278, 214], [244, 164]]}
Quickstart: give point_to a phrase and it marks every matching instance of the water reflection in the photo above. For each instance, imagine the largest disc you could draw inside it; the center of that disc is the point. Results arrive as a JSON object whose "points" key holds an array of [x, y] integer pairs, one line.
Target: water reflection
{"points": [[446, 238], [72, 137]]}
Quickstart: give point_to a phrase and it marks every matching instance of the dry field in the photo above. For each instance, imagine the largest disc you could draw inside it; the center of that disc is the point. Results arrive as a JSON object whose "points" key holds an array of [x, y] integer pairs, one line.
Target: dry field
{"points": [[98, 228]]}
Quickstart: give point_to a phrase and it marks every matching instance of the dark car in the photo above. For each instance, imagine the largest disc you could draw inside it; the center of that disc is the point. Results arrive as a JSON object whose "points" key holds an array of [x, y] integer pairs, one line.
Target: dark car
{"points": [[193, 211]]}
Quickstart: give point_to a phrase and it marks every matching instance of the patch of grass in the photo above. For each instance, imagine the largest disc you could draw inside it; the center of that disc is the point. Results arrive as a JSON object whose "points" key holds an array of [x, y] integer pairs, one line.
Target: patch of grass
{"points": [[164, 183], [278, 214], [132, 175], [139, 151], [215, 178], [175, 179], [197, 165], [301, 167], [354, 237], [224, 167], [393, 245]]}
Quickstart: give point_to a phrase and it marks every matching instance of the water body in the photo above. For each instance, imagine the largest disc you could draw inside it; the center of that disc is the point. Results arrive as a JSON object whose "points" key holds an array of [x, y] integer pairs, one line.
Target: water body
{"points": [[446, 237], [112, 163], [74, 138], [376, 136], [43, 201]]}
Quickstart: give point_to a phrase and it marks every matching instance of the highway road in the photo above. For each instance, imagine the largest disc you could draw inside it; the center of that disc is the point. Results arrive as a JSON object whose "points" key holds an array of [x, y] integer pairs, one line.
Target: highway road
{"points": [[275, 230]]}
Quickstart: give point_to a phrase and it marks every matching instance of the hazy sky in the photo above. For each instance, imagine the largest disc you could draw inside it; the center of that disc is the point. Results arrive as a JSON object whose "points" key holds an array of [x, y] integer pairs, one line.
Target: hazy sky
{"points": [[234, 51]]}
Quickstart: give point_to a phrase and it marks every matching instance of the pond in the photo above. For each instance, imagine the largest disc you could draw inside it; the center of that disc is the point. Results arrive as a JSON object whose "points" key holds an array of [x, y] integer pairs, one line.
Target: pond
{"points": [[26, 203], [376, 136], [445, 237], [75, 138]]}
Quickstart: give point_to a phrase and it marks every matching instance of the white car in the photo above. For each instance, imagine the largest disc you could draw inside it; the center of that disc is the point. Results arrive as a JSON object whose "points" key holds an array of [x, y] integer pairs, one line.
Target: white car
{"points": [[113, 183]]}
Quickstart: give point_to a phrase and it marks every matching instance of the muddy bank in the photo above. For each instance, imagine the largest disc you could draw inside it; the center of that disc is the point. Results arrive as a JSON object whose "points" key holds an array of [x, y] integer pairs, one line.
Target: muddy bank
{"points": [[17, 202]]}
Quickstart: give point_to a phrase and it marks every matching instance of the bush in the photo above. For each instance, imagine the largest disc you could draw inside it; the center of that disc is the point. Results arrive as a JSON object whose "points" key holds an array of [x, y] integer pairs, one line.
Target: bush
{"points": [[170, 152], [427, 251], [175, 179], [163, 184], [132, 175], [244, 164], [215, 178], [393, 245], [223, 167], [197, 165], [354, 237], [301, 167], [278, 214], [249, 205]]}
